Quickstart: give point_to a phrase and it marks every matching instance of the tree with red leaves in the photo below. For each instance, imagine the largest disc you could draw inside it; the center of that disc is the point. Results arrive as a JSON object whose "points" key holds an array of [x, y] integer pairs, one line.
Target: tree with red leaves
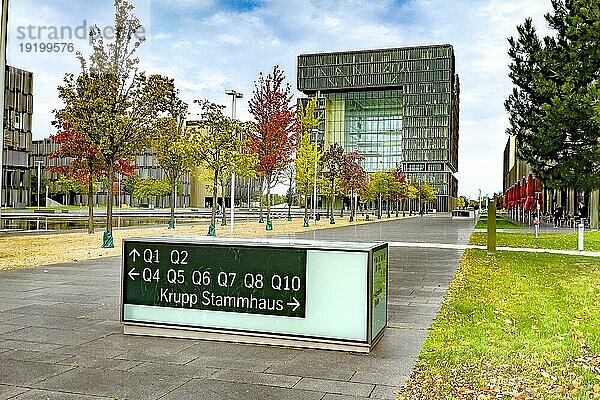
{"points": [[275, 136], [353, 178], [86, 165], [399, 186], [402, 190]]}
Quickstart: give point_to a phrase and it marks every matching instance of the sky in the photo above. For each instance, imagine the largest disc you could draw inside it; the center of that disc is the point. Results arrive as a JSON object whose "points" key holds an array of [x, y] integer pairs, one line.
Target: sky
{"points": [[211, 46]]}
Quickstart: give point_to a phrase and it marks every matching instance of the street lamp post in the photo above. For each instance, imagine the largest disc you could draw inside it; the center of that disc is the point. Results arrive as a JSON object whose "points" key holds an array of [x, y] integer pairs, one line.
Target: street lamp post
{"points": [[39, 181], [315, 190], [234, 96]]}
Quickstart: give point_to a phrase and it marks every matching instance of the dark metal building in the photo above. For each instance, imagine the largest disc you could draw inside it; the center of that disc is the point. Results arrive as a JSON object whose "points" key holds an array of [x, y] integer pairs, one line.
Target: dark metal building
{"points": [[18, 110], [392, 106]]}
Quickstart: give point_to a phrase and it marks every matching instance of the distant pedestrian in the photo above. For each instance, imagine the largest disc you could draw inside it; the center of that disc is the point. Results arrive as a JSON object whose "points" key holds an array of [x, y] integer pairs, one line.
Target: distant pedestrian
{"points": [[582, 210], [422, 211], [558, 214]]}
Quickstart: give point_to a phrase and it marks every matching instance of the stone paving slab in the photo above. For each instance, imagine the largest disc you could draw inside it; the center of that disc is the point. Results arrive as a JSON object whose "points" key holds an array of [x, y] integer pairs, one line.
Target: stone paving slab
{"points": [[24, 373], [336, 387], [219, 390], [7, 391], [384, 392], [110, 383], [85, 361], [60, 335], [257, 378], [186, 370], [330, 396], [48, 395], [52, 356]]}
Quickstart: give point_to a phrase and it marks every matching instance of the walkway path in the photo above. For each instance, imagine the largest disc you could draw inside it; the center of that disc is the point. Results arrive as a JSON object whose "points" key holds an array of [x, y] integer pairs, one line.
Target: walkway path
{"points": [[500, 248], [60, 336]]}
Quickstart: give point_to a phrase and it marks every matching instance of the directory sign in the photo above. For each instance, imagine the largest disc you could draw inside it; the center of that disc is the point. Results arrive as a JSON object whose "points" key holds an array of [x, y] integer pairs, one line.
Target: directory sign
{"points": [[254, 280]]}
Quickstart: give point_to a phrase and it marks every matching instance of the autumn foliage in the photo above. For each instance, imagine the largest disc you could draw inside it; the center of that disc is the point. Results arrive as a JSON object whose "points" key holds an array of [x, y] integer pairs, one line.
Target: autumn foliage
{"points": [[275, 136], [85, 163]]}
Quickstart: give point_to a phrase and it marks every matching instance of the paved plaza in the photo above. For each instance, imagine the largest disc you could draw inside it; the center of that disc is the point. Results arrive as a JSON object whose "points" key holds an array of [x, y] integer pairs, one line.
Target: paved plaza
{"points": [[60, 336]]}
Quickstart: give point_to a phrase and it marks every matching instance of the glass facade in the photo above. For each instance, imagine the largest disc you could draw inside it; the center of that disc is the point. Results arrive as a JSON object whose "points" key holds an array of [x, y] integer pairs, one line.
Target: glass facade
{"points": [[392, 106], [369, 122]]}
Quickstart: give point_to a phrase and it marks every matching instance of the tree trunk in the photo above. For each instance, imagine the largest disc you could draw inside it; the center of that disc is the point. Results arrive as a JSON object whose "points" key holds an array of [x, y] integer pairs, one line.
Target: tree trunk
{"points": [[110, 194], [352, 203], [262, 183], [214, 200], [90, 200], [290, 194], [223, 184], [268, 177], [172, 200], [305, 206], [332, 195]]}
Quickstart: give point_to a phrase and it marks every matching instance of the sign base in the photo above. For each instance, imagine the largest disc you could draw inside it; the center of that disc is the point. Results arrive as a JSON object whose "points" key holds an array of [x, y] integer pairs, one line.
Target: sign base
{"points": [[250, 338]]}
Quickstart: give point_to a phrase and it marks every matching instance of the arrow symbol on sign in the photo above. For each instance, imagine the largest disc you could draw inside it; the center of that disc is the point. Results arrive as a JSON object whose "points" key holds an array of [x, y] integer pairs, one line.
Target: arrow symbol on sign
{"points": [[133, 274], [134, 253], [295, 303]]}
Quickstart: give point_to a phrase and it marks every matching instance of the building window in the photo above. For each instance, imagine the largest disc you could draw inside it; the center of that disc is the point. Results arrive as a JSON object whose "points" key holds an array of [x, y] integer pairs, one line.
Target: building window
{"points": [[415, 167], [435, 167]]}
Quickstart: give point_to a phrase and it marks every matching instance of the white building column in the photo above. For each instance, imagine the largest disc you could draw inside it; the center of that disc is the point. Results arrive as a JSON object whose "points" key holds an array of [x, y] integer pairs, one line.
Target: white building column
{"points": [[595, 209]]}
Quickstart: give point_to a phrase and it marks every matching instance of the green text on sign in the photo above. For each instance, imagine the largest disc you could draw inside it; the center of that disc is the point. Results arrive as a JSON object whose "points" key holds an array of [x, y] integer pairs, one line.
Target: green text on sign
{"points": [[253, 280]]}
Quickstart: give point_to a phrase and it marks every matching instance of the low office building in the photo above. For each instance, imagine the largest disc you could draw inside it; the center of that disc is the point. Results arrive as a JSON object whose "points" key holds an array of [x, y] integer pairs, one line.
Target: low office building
{"points": [[393, 106], [145, 162], [246, 191], [573, 203]]}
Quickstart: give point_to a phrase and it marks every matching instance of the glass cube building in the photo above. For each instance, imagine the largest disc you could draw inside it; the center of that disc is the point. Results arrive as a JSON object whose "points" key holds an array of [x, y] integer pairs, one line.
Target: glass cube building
{"points": [[393, 106]]}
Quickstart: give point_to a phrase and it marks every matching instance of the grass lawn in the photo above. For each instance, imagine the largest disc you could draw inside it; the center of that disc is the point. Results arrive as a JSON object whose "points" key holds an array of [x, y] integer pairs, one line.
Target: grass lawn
{"points": [[559, 241], [501, 223], [514, 326]]}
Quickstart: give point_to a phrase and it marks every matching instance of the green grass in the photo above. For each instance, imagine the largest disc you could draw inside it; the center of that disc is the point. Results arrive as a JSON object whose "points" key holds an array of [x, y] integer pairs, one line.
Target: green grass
{"points": [[520, 324], [557, 241], [501, 223]]}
